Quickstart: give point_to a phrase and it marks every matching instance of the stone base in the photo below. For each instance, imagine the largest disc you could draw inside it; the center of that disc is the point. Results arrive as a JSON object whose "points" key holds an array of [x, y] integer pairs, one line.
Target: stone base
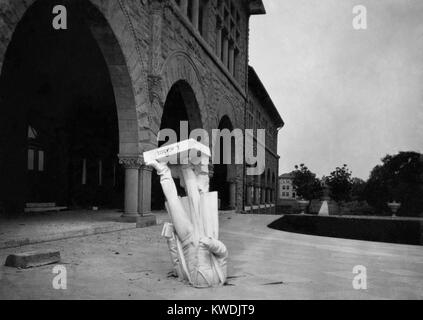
{"points": [[129, 218], [32, 259], [147, 221], [144, 221]]}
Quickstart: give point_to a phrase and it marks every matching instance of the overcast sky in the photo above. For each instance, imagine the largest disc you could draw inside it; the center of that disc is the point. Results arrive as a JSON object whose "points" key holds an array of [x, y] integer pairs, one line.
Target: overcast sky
{"points": [[346, 96]]}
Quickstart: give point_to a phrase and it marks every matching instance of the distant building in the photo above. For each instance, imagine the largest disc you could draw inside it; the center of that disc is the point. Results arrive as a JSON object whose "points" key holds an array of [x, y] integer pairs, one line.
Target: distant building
{"points": [[286, 187], [261, 191]]}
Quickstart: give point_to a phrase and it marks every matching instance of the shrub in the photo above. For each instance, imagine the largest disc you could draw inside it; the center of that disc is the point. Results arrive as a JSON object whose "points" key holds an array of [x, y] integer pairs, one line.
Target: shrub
{"points": [[399, 178]]}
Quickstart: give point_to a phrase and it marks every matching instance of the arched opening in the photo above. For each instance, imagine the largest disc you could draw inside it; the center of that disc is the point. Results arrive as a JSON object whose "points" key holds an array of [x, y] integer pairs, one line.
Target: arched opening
{"points": [[257, 191], [268, 187], [59, 131], [263, 188], [222, 174], [181, 106]]}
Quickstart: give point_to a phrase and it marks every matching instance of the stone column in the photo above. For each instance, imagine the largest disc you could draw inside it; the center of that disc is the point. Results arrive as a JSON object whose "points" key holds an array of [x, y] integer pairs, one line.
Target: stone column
{"points": [[232, 194], [184, 7], [144, 190], [131, 165], [195, 13]]}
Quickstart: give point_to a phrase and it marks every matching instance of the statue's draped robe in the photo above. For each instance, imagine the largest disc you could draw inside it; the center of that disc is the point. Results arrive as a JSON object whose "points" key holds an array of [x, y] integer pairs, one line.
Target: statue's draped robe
{"points": [[204, 216]]}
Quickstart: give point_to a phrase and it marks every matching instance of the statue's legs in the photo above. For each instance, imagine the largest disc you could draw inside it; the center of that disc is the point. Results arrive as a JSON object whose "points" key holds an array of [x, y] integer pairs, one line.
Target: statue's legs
{"points": [[193, 193]]}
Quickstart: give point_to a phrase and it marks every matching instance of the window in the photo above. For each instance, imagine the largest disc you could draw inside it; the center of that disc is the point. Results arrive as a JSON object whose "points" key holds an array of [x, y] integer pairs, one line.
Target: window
{"points": [[202, 19], [84, 172], [228, 22], [196, 12], [40, 160], [31, 159], [250, 121], [36, 157], [35, 160], [100, 172], [236, 63], [189, 12]]}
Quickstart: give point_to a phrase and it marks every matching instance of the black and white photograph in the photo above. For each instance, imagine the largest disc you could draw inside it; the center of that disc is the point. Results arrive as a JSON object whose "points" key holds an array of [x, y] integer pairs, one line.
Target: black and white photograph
{"points": [[211, 150]]}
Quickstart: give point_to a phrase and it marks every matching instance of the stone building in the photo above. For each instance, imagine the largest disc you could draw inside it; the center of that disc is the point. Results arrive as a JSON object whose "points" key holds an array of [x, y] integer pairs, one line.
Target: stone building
{"points": [[261, 191], [80, 105], [286, 187]]}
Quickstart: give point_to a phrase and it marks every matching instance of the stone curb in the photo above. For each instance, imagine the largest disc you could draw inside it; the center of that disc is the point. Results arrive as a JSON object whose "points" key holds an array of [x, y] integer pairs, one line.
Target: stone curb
{"points": [[32, 259], [90, 231]]}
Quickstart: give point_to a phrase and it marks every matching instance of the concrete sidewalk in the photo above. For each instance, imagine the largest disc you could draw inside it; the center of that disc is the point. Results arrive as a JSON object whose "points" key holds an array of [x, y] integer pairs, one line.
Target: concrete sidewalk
{"points": [[45, 227], [264, 264]]}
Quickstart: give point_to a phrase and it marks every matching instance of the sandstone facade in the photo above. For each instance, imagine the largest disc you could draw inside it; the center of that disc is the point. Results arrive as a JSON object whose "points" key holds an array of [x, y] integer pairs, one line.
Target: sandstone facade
{"points": [[151, 45]]}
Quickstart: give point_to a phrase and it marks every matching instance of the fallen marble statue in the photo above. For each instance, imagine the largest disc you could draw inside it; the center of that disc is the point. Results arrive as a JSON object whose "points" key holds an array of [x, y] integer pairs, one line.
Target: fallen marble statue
{"points": [[198, 257]]}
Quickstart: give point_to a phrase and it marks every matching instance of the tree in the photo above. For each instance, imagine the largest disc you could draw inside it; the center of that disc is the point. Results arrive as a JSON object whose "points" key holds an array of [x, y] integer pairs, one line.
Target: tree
{"points": [[398, 178], [340, 183], [306, 184], [358, 189]]}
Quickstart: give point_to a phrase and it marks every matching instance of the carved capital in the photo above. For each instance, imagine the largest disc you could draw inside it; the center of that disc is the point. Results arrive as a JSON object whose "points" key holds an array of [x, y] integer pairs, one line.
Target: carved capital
{"points": [[131, 161]]}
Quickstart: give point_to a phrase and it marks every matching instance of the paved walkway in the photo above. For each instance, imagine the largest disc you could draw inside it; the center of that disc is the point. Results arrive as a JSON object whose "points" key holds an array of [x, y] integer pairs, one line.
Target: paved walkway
{"points": [[43, 227], [264, 264]]}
